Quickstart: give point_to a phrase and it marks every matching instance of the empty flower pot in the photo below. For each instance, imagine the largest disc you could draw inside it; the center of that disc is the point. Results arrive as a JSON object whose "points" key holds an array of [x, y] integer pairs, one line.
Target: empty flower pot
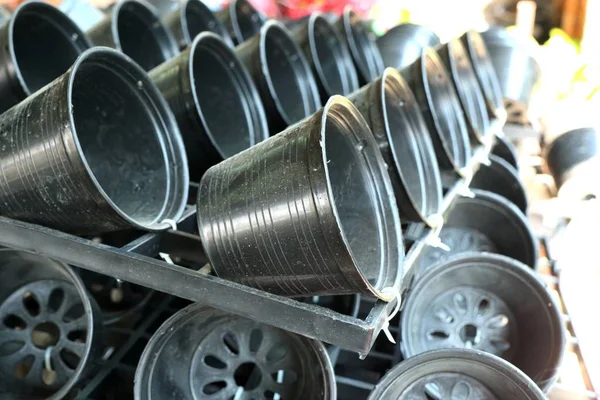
{"points": [[282, 75], [327, 53], [96, 150], [203, 353], [501, 178], [242, 20], [362, 45], [403, 44], [456, 60], [516, 68], [485, 223], [441, 110], [50, 331], [310, 211], [214, 100], [484, 70], [134, 28], [393, 115], [192, 18], [504, 149], [39, 44], [455, 374], [573, 159], [490, 303]]}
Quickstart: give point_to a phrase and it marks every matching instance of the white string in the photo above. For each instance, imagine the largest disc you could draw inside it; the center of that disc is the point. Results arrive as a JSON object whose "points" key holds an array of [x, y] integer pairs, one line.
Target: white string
{"points": [[395, 293], [437, 223]]}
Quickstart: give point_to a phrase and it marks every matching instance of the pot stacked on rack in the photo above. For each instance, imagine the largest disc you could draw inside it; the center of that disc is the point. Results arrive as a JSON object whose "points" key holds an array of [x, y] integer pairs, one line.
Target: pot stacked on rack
{"points": [[514, 59], [301, 192]]}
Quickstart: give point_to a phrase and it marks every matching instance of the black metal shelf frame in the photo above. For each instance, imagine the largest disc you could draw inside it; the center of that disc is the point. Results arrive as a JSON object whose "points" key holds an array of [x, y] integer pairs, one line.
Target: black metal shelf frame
{"points": [[135, 263]]}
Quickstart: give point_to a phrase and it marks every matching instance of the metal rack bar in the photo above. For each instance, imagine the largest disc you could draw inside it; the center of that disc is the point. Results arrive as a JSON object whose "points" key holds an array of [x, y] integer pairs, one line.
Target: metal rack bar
{"points": [[135, 263]]}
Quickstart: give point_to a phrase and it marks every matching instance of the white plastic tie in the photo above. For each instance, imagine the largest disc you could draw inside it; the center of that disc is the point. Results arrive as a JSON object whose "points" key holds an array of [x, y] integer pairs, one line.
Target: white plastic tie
{"points": [[167, 258], [485, 160], [466, 173], [435, 241], [466, 192], [171, 223], [47, 361], [395, 293], [435, 220]]}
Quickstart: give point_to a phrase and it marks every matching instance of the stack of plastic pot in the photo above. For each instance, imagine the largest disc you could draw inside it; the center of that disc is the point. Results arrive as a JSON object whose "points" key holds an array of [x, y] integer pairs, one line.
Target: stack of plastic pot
{"points": [[572, 158], [301, 192], [513, 56]]}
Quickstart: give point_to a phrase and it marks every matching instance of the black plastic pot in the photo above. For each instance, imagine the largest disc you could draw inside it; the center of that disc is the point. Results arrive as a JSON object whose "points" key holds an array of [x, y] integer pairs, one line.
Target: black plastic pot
{"points": [[573, 158], [242, 20], [393, 115], [507, 151], [362, 45], [215, 102], [134, 28], [484, 70], [39, 43], [328, 55], [455, 374], [45, 314], [441, 110], [192, 18], [516, 68], [314, 211], [94, 151], [490, 303], [282, 75], [403, 44], [203, 353], [486, 223], [456, 60], [501, 178]]}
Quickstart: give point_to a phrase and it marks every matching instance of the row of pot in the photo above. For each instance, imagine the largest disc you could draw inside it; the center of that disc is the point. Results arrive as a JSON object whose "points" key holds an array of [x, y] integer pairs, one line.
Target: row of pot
{"points": [[99, 148], [491, 306]]}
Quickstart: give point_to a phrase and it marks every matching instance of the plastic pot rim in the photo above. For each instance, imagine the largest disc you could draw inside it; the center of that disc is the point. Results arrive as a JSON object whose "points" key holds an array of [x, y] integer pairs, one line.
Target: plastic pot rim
{"points": [[393, 77], [302, 71], [160, 109], [348, 74], [239, 77], [166, 34], [393, 214], [206, 14], [57, 17]]}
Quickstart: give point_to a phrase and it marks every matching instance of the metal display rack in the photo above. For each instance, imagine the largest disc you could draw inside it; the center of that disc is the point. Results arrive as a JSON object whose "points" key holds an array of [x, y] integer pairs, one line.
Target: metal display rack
{"points": [[137, 262]]}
